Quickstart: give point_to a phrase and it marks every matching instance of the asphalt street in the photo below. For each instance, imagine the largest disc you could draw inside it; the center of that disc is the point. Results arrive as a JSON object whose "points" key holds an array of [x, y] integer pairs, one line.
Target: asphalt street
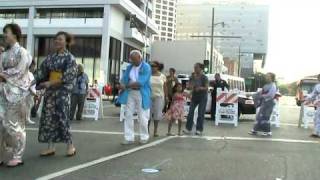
{"points": [[223, 153]]}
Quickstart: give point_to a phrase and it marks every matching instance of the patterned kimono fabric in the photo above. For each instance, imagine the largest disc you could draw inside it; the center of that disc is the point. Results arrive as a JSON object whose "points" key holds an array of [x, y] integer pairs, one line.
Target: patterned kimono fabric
{"points": [[14, 67], [315, 98], [55, 116], [266, 107]]}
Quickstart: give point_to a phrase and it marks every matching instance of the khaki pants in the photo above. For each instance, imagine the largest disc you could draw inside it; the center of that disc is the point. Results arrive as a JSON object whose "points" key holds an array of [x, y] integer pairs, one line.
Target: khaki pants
{"points": [[77, 100]]}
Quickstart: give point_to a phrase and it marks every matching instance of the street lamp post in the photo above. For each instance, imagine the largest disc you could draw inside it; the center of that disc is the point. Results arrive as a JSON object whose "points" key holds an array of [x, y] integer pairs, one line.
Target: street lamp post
{"points": [[212, 39], [224, 37], [211, 48]]}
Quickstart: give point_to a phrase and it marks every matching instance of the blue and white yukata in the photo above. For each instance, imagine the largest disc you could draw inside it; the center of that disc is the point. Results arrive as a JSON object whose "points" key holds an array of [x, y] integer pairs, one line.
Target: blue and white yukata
{"points": [[54, 122], [314, 97], [265, 99]]}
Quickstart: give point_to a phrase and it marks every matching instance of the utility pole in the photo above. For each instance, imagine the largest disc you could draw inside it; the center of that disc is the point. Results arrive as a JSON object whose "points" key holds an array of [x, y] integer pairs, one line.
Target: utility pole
{"points": [[212, 38]]}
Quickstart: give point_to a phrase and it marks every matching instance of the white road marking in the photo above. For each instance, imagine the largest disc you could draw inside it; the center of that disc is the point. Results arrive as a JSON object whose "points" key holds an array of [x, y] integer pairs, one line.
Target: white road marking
{"points": [[101, 160], [204, 137], [253, 139]]}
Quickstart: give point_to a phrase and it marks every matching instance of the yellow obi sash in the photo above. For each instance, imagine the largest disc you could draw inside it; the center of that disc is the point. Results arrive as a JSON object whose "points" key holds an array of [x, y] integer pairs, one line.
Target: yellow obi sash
{"points": [[55, 76]]}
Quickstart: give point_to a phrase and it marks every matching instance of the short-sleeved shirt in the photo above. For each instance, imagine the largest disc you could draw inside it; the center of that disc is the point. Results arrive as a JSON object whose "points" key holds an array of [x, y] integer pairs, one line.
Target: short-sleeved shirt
{"points": [[157, 83], [201, 81], [81, 84]]}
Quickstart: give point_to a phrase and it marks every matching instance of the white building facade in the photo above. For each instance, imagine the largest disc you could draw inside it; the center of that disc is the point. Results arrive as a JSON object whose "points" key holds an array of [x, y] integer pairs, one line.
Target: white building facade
{"points": [[103, 37], [183, 54], [165, 17], [246, 19]]}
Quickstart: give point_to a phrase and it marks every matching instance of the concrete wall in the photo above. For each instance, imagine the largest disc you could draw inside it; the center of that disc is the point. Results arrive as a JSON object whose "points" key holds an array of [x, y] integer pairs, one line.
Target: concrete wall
{"points": [[117, 23], [181, 55]]}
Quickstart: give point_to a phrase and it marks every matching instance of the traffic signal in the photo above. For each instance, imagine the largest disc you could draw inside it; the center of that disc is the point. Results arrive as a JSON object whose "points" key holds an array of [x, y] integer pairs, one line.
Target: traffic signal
{"points": [[133, 21], [206, 64]]}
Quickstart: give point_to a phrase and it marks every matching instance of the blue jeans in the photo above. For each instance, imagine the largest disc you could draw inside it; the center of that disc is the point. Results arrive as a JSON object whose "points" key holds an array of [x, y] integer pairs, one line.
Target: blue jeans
{"points": [[201, 103]]}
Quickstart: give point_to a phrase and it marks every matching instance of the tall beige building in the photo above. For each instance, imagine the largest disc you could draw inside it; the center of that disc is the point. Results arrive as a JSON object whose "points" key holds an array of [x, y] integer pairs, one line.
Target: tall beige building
{"points": [[165, 17]]}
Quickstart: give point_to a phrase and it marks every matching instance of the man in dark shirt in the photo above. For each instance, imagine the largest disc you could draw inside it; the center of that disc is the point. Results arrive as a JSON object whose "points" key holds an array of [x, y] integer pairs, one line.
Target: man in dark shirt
{"points": [[199, 86], [217, 83]]}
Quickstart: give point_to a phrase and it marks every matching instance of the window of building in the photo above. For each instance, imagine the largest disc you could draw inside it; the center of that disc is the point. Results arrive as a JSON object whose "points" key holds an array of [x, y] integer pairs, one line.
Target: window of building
{"points": [[157, 16], [170, 19], [164, 7], [164, 18], [170, 24], [85, 49], [165, 2], [94, 13], [158, 6], [70, 13], [158, 11], [164, 13], [163, 34], [170, 14], [158, 1], [14, 13], [156, 38], [171, 3], [164, 23], [163, 39], [150, 13], [163, 28], [170, 34], [114, 58], [170, 29], [157, 22], [171, 9]]}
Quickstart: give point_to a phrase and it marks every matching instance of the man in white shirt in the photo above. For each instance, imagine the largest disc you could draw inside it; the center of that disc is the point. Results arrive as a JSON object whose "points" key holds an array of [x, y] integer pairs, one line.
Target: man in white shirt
{"points": [[136, 95]]}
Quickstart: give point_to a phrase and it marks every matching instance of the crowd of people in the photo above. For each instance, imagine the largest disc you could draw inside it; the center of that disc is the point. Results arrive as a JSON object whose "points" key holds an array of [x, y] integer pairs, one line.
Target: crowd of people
{"points": [[143, 89]]}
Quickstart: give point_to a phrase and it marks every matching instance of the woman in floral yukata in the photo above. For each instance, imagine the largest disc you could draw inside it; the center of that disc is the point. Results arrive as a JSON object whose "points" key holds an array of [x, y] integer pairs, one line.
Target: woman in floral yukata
{"points": [[57, 74], [14, 88]]}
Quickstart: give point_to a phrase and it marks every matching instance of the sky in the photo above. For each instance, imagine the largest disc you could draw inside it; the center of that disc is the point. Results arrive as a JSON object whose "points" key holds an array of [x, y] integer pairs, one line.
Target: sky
{"points": [[294, 38]]}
